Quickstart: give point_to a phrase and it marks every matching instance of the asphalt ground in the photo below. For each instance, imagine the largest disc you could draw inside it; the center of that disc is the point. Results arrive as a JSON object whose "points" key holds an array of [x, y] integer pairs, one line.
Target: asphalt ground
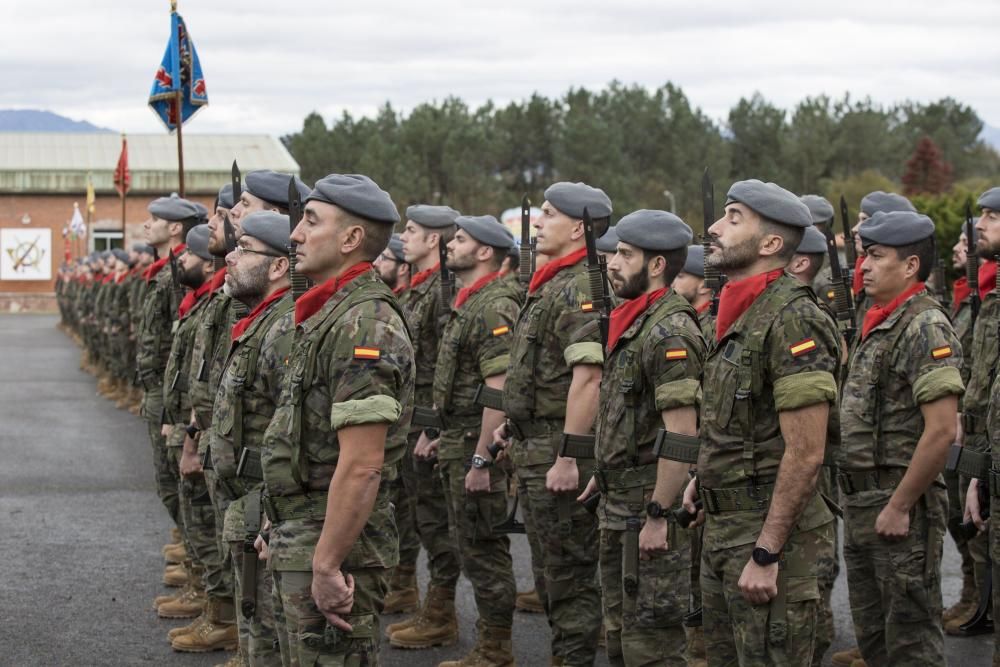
{"points": [[81, 529]]}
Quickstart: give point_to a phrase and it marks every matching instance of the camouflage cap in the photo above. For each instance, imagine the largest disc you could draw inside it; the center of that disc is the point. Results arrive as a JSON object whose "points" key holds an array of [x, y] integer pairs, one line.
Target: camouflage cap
{"points": [[895, 228], [608, 242], [820, 209], [197, 241], [990, 199], [272, 186], [357, 194], [432, 217], [268, 227], [813, 242], [396, 248], [885, 202], [654, 230], [695, 262], [486, 229], [173, 208], [225, 198], [771, 201], [572, 198]]}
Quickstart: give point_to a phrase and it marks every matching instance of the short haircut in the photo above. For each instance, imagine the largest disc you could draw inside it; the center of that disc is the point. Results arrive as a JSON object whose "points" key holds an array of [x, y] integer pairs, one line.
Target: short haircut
{"points": [[815, 264], [674, 258], [499, 255], [791, 236], [188, 224], [601, 225], [377, 234], [925, 251]]}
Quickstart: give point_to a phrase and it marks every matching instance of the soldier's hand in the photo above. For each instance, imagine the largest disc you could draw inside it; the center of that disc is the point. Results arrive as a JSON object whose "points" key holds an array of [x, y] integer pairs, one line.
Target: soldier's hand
{"points": [[892, 524], [973, 512], [190, 464], [166, 430], [563, 476], [425, 447], [333, 593], [690, 497], [653, 538], [263, 551], [501, 437], [589, 491], [477, 480], [759, 583]]}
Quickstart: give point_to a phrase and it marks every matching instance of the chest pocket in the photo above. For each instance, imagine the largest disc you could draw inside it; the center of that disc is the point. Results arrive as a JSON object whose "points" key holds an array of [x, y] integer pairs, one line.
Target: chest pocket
{"points": [[451, 346], [519, 395]]}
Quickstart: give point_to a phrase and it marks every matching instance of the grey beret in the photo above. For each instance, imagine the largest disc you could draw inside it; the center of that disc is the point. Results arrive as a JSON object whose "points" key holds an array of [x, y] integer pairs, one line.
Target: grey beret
{"points": [[515, 250], [771, 201], [120, 255], [105, 254], [486, 229], [144, 247], [173, 208], [197, 241], [396, 248], [432, 217], [695, 263], [885, 202], [608, 242], [820, 209], [813, 242], [225, 199], [990, 199], [202, 211], [268, 227], [272, 186], [654, 230], [356, 194], [895, 228], [572, 198]]}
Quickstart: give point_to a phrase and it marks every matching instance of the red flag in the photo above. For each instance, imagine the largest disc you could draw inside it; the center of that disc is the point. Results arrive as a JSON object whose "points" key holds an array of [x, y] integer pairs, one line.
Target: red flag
{"points": [[123, 178]]}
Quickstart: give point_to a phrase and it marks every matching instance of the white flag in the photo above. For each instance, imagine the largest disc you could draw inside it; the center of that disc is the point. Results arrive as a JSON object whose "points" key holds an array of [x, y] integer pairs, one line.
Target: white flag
{"points": [[76, 224]]}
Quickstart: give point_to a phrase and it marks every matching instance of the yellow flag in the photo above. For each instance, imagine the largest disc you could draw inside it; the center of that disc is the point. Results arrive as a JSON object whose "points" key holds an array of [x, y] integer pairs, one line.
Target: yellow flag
{"points": [[90, 195]]}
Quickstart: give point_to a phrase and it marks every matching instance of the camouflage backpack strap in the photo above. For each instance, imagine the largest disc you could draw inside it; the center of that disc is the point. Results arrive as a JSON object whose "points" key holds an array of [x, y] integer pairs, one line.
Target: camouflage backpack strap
{"points": [[881, 366]]}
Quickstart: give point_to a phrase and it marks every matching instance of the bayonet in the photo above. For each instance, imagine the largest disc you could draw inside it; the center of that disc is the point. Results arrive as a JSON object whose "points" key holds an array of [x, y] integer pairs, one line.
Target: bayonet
{"points": [[298, 281], [597, 277], [175, 277], [971, 262], [525, 262], [843, 300], [447, 279], [850, 252], [714, 280]]}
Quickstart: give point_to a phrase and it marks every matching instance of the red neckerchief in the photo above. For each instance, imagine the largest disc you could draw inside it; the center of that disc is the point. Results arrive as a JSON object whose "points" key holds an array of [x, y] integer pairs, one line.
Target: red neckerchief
{"points": [[739, 295], [155, 267], [121, 277], [987, 278], [312, 301], [191, 298], [703, 307], [858, 284], [624, 315], [424, 275], [107, 278], [960, 291], [241, 326], [466, 292], [552, 267], [218, 280], [399, 290], [876, 315]]}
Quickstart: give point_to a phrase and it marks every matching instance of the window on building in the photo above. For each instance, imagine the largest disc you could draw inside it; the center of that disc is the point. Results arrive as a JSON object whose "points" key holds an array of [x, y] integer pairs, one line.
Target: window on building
{"points": [[106, 241]]}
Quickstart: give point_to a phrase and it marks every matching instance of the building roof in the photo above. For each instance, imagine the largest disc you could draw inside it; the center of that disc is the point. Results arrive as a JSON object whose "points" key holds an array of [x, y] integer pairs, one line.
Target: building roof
{"points": [[58, 162]]}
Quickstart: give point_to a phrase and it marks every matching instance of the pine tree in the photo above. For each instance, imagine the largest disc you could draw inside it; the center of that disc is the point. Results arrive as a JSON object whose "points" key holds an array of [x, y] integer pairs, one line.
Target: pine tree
{"points": [[926, 170]]}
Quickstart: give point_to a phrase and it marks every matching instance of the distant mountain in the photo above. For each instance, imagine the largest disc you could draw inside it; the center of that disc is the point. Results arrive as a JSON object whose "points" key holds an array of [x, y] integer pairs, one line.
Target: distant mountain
{"points": [[35, 120], [991, 136]]}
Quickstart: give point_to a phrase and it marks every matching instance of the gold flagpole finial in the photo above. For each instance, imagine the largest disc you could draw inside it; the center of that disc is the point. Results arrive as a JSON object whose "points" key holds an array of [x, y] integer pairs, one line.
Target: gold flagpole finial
{"points": [[173, 5]]}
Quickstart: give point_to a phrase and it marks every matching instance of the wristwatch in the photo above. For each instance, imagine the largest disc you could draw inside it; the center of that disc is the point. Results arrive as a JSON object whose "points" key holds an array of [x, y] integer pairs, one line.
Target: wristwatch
{"points": [[192, 431], [432, 433], [654, 510], [480, 461], [762, 556]]}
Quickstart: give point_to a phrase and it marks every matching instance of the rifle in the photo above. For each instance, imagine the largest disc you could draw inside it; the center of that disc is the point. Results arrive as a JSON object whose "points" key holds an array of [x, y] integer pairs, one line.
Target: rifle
{"points": [[843, 299], [971, 262], [299, 282], [849, 251], [937, 276], [447, 279], [510, 525], [239, 308], [597, 275], [981, 622], [714, 280], [527, 245], [174, 277]]}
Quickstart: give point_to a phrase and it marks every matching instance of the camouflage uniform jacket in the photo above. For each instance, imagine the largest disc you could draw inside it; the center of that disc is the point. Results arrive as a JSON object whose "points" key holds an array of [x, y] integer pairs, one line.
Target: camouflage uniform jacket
{"points": [[208, 357], [556, 329], [475, 345], [782, 353], [961, 322], [425, 320], [351, 364], [911, 358], [983, 357], [248, 394], [706, 321], [156, 320], [177, 374], [655, 366]]}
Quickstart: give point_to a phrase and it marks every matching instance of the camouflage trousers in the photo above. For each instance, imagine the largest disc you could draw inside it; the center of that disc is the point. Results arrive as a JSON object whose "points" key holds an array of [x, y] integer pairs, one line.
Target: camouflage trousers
{"points": [[646, 627], [484, 554], [406, 510], [198, 520], [977, 548], [259, 643], [895, 587], [737, 632], [221, 582], [423, 485], [829, 570], [956, 506], [164, 474], [565, 537], [994, 539]]}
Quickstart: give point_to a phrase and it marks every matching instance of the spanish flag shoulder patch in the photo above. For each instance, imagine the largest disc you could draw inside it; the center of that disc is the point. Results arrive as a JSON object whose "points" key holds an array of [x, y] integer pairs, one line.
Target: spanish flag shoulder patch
{"points": [[676, 354], [367, 353], [942, 352], [499, 331], [802, 347], [586, 306]]}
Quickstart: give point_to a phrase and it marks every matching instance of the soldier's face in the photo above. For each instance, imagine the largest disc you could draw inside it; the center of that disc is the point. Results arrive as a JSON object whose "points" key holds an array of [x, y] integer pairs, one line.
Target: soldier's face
{"points": [[248, 274], [388, 268], [736, 239], [248, 204], [988, 226], [320, 237], [216, 235], [555, 231], [687, 285], [463, 252], [885, 274], [858, 249], [628, 272], [192, 270], [959, 253], [157, 231], [417, 243]]}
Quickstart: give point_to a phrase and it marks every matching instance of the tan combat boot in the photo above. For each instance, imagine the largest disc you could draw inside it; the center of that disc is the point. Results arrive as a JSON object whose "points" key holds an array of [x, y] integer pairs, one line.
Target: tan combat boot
{"points": [[403, 596], [967, 603], [492, 649], [529, 602], [184, 629], [189, 586], [216, 633], [174, 553], [188, 604], [434, 625], [175, 575], [235, 661], [846, 658]]}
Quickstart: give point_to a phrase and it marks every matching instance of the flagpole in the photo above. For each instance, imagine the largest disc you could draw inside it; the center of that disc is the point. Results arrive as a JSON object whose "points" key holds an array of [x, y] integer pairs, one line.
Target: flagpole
{"points": [[180, 144], [124, 192]]}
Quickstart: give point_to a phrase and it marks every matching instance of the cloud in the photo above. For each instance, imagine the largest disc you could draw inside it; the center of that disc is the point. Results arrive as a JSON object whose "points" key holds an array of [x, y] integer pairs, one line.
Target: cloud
{"points": [[269, 64]]}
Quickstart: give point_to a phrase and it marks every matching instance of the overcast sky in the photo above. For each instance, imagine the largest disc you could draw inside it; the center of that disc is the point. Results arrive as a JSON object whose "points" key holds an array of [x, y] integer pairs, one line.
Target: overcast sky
{"points": [[268, 64]]}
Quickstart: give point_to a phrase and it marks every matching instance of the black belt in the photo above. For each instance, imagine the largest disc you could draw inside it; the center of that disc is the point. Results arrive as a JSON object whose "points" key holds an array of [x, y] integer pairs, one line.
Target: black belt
{"points": [[968, 462], [869, 480], [488, 397], [676, 447], [577, 446], [738, 499], [310, 505], [426, 418]]}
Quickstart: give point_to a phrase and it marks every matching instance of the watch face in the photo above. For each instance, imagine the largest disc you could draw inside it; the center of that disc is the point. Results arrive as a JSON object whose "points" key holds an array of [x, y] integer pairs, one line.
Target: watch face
{"points": [[654, 510]]}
